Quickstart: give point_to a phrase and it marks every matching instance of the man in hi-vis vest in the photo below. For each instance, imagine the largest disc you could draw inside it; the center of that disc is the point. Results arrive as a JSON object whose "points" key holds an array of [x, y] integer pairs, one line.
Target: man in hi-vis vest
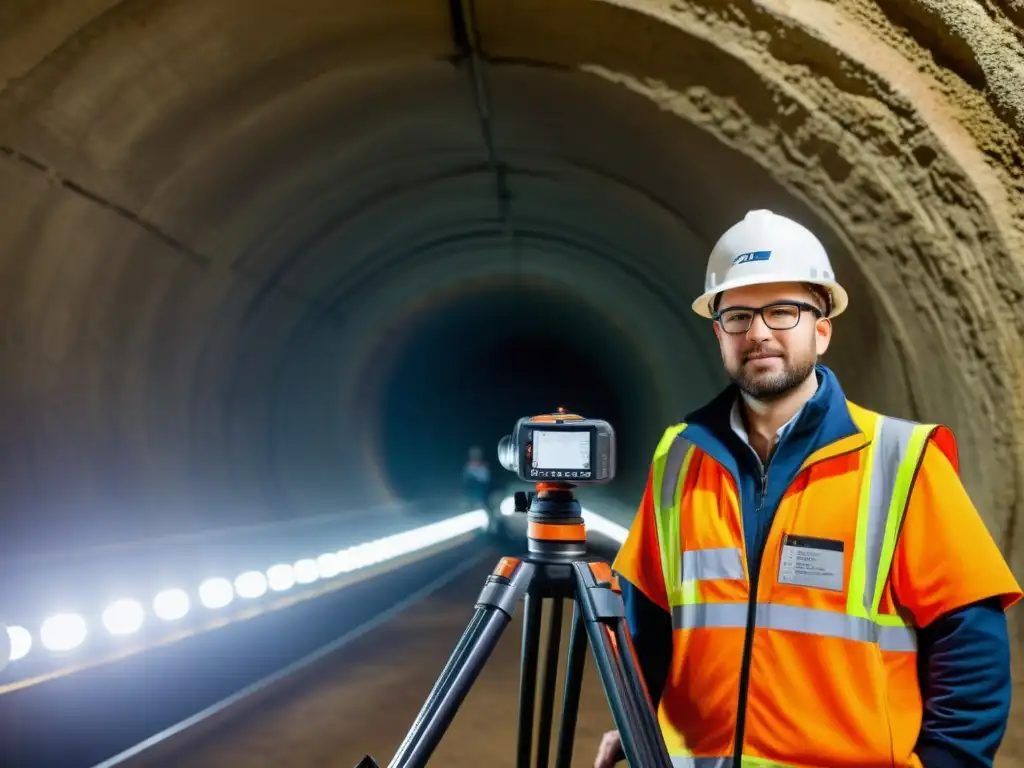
{"points": [[807, 582]]}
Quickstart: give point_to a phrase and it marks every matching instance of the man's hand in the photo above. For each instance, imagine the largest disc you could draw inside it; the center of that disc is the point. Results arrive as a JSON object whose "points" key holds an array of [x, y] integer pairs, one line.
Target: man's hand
{"points": [[610, 751]]}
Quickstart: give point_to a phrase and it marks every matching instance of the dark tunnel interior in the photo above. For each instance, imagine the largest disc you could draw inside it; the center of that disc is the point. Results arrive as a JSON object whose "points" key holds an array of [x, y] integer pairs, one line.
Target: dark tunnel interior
{"points": [[463, 375]]}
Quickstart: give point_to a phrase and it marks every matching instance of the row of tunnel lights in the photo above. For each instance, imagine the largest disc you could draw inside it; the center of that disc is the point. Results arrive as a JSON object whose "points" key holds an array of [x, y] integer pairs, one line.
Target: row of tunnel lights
{"points": [[64, 632]]}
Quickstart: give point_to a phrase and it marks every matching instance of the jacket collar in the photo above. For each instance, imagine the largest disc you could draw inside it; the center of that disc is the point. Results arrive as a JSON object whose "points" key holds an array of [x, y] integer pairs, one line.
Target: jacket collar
{"points": [[823, 426]]}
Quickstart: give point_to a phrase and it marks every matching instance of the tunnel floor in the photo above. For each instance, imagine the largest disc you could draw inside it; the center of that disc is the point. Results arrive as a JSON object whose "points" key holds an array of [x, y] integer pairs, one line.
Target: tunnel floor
{"points": [[364, 699]]}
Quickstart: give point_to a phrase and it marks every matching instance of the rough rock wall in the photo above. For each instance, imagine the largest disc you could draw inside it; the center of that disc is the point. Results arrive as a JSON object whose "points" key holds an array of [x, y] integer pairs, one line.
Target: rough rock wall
{"points": [[970, 60]]}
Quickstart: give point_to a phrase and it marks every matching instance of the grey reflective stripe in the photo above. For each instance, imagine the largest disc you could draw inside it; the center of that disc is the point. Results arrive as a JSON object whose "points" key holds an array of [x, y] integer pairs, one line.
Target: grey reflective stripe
{"points": [[703, 564], [701, 615], [814, 621], [893, 438], [673, 466], [897, 639], [793, 618]]}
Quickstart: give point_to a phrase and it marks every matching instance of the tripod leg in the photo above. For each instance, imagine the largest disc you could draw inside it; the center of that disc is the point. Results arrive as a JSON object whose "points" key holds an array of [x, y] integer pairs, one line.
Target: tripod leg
{"points": [[620, 694], [631, 670], [571, 694], [494, 608], [454, 664], [547, 697], [528, 679], [631, 706]]}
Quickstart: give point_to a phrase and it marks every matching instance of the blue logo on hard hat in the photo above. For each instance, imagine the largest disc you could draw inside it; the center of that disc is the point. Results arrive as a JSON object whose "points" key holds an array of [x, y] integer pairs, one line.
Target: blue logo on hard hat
{"points": [[744, 258]]}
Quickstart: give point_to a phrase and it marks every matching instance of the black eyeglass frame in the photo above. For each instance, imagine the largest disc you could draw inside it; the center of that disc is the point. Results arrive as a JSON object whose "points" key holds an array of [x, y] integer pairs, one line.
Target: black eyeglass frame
{"points": [[802, 306]]}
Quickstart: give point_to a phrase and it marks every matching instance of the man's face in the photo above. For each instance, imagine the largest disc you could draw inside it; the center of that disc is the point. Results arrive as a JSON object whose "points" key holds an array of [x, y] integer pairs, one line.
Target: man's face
{"points": [[767, 363]]}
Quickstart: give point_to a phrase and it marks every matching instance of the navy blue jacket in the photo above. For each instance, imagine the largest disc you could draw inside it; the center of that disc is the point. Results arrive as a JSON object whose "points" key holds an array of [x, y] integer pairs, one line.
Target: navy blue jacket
{"points": [[964, 657]]}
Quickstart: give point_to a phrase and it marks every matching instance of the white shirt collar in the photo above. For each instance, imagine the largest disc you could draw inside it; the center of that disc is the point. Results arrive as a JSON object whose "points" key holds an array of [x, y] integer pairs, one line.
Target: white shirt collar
{"points": [[736, 422]]}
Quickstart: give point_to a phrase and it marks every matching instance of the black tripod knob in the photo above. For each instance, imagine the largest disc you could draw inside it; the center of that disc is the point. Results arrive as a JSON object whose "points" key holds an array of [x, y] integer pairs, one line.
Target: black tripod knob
{"points": [[522, 501]]}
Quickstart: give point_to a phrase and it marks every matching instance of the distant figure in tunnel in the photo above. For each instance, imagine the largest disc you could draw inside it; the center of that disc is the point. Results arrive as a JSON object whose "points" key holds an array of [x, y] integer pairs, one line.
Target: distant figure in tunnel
{"points": [[807, 581], [476, 480]]}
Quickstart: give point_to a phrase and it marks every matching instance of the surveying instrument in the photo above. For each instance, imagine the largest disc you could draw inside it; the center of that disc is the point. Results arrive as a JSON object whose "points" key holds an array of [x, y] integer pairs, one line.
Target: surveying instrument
{"points": [[557, 452]]}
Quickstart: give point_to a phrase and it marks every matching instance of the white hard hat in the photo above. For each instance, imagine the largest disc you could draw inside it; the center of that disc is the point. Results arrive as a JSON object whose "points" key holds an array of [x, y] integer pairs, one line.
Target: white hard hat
{"points": [[768, 248]]}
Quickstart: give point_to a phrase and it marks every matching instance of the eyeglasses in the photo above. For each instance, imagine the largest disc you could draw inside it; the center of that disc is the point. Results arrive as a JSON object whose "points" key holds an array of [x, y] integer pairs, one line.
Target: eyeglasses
{"points": [[779, 317]]}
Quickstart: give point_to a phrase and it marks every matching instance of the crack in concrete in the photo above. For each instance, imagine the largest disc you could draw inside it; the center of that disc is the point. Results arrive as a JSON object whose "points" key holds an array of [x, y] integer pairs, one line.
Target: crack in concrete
{"points": [[466, 37], [178, 246], [55, 177]]}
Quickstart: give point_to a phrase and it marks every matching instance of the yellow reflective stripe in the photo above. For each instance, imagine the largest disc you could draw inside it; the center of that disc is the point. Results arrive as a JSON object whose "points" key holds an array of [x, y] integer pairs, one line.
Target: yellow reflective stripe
{"points": [[663, 524], [891, 455], [855, 598], [687, 588], [792, 618], [912, 457], [686, 593], [671, 466]]}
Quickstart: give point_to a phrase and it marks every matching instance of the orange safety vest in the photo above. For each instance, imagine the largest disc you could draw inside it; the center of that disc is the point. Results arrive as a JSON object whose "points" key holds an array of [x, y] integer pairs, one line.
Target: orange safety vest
{"points": [[828, 667]]}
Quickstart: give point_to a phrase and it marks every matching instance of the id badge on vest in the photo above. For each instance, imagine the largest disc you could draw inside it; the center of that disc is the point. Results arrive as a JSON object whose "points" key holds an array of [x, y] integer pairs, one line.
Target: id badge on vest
{"points": [[811, 562]]}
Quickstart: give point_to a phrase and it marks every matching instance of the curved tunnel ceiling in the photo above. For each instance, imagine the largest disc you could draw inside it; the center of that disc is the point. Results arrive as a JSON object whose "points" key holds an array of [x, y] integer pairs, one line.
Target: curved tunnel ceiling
{"points": [[263, 262]]}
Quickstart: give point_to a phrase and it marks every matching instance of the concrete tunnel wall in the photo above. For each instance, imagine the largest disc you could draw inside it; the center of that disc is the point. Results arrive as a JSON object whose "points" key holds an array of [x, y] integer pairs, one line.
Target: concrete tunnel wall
{"points": [[230, 230]]}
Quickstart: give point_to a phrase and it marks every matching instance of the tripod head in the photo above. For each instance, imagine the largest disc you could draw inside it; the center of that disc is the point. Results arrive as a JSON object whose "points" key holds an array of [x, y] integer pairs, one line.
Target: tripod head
{"points": [[557, 452], [555, 529]]}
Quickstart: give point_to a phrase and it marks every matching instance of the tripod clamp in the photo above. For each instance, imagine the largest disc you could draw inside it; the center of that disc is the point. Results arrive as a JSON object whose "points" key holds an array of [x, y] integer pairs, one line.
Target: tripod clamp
{"points": [[555, 567], [523, 500]]}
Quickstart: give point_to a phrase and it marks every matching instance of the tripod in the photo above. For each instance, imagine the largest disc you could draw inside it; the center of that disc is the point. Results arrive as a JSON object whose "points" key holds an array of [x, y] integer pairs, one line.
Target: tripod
{"points": [[555, 567]]}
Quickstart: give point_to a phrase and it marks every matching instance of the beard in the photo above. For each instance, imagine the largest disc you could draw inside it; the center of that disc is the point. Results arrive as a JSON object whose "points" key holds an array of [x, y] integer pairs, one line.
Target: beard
{"points": [[767, 386]]}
